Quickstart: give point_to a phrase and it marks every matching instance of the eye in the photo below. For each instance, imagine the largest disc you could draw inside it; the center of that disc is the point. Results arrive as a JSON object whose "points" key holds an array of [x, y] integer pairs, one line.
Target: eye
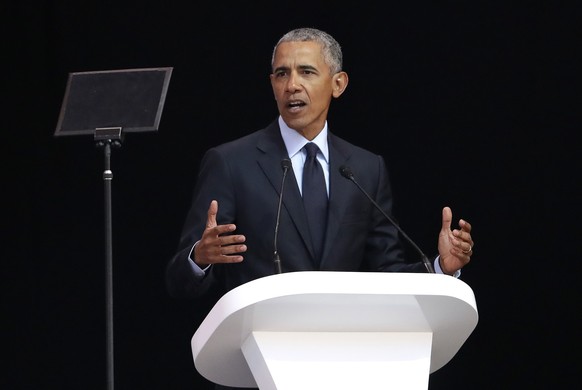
{"points": [[280, 73]]}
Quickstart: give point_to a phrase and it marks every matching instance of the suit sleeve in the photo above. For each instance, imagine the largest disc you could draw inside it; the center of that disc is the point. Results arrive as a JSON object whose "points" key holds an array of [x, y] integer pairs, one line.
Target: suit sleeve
{"points": [[213, 183]]}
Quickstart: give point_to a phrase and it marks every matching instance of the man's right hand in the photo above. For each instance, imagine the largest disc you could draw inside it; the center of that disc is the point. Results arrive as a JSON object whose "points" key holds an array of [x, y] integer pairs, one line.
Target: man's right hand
{"points": [[214, 247]]}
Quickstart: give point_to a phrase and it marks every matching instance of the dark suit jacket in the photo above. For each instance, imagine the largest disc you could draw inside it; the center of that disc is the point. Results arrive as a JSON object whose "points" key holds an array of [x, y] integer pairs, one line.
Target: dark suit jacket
{"points": [[245, 175]]}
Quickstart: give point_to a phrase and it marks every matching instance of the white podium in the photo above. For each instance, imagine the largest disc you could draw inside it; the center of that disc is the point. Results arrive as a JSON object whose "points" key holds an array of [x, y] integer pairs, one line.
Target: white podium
{"points": [[335, 330]]}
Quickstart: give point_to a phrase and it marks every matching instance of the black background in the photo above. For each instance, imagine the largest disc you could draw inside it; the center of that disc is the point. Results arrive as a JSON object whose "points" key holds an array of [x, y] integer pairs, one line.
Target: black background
{"points": [[472, 104]]}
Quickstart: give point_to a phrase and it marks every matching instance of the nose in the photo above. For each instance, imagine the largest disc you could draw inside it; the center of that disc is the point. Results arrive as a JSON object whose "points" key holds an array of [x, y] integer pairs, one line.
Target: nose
{"points": [[292, 84]]}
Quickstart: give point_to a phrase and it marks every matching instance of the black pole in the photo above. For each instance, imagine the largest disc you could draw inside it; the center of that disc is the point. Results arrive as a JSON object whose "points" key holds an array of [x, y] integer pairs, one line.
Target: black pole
{"points": [[107, 178], [106, 137]]}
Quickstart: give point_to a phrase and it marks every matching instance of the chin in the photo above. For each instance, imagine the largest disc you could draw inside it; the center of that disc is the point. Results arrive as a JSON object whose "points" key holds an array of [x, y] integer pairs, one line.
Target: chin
{"points": [[296, 124]]}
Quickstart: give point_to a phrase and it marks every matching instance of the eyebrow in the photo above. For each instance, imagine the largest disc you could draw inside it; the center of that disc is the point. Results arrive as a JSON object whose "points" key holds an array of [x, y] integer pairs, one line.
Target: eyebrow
{"points": [[302, 67]]}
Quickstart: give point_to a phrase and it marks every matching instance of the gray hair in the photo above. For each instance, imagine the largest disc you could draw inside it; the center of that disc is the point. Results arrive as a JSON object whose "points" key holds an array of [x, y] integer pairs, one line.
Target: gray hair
{"points": [[332, 52]]}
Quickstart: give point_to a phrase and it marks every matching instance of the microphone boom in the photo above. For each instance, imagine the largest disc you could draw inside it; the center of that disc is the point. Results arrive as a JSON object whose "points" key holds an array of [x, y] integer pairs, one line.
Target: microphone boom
{"points": [[348, 174], [285, 164]]}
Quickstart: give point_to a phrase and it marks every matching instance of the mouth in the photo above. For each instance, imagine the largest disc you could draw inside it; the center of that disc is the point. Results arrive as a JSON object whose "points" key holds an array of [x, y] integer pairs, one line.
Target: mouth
{"points": [[295, 105]]}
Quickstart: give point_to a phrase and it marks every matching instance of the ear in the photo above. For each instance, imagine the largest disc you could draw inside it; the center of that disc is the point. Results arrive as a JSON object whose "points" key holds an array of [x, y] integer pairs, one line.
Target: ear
{"points": [[339, 83]]}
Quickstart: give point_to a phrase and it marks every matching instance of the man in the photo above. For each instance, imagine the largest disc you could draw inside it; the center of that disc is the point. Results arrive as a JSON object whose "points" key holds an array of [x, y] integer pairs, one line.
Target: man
{"points": [[228, 235]]}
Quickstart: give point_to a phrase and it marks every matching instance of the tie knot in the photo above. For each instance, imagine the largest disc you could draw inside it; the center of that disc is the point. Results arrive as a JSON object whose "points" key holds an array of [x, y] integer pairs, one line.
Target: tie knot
{"points": [[311, 149]]}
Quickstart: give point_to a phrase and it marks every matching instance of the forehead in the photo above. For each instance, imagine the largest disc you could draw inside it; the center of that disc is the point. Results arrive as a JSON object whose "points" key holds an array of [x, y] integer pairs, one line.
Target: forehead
{"points": [[292, 54]]}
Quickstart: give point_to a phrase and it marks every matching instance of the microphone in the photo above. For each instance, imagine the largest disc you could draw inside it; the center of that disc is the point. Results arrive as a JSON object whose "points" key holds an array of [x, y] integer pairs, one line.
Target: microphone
{"points": [[348, 174], [286, 165]]}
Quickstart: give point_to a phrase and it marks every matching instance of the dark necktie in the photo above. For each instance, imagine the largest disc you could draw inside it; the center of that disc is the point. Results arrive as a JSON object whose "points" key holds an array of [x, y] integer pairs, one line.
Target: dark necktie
{"points": [[315, 198]]}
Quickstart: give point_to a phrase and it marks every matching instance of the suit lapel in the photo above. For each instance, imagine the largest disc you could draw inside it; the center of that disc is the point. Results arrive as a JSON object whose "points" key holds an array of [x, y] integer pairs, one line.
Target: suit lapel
{"points": [[272, 152], [339, 187]]}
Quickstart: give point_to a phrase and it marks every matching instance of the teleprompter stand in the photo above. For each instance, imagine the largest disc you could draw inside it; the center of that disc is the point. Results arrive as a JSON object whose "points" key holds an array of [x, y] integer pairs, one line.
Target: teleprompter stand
{"points": [[109, 104]]}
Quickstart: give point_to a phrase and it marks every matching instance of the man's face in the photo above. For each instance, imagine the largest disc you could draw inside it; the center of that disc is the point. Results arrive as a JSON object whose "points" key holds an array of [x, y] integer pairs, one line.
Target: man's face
{"points": [[303, 86]]}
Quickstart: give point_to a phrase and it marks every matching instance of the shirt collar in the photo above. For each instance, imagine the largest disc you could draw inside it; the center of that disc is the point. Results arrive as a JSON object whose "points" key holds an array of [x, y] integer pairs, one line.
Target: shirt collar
{"points": [[294, 141]]}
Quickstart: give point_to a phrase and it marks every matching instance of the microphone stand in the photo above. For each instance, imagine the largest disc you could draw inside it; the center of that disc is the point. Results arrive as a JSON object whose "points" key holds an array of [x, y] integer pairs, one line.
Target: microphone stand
{"points": [[106, 138], [285, 165], [348, 174]]}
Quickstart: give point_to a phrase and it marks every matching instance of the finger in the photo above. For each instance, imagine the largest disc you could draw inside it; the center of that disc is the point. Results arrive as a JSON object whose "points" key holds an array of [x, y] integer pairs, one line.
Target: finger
{"points": [[447, 218], [222, 229], [212, 212], [228, 253], [233, 249], [232, 239], [463, 237], [229, 259], [465, 226]]}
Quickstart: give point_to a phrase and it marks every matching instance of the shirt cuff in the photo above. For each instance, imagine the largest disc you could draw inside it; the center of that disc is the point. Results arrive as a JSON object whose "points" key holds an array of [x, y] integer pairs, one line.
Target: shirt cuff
{"points": [[438, 270], [195, 268]]}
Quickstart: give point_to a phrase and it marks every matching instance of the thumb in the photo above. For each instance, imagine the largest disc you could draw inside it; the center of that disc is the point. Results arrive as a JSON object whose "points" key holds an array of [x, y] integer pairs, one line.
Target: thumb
{"points": [[212, 211], [447, 219]]}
